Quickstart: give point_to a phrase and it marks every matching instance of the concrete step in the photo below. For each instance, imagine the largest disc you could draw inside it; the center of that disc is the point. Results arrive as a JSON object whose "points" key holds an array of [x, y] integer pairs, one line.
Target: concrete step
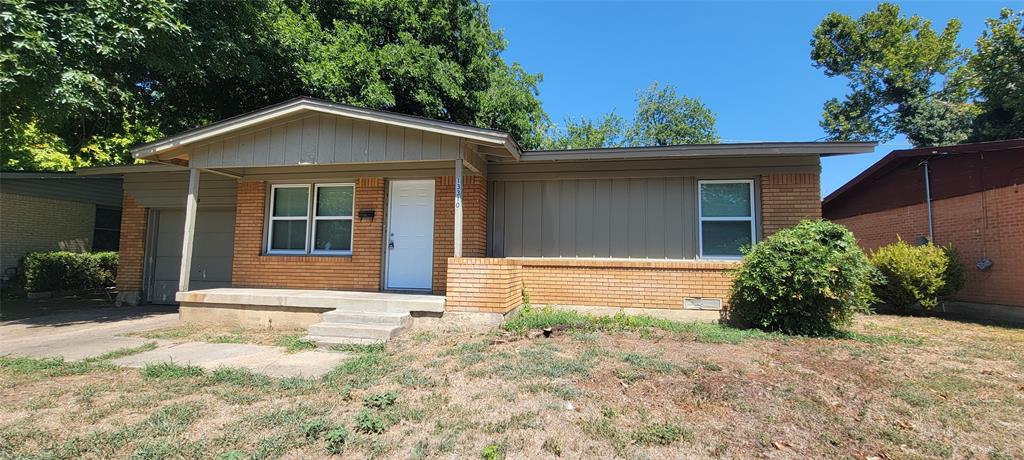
{"points": [[356, 331], [365, 317], [327, 342]]}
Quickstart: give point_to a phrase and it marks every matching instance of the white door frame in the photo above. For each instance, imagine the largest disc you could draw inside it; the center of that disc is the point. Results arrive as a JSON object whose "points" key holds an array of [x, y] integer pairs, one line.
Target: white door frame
{"points": [[387, 236]]}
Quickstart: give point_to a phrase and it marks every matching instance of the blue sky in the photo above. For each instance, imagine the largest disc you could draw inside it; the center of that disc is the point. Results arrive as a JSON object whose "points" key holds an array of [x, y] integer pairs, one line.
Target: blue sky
{"points": [[748, 61]]}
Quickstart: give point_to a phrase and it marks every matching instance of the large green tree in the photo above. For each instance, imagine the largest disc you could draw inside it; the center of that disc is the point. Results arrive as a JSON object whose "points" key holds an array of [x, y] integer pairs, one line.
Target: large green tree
{"points": [[662, 117], [904, 77], [80, 81], [998, 71]]}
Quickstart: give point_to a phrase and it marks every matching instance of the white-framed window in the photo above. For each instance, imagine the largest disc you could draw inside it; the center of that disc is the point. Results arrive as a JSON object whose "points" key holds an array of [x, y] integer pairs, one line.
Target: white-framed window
{"points": [[310, 219], [726, 217]]}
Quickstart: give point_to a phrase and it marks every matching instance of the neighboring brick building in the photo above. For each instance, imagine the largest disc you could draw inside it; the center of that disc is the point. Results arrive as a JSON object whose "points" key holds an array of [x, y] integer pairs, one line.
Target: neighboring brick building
{"points": [[56, 212], [977, 193], [309, 195]]}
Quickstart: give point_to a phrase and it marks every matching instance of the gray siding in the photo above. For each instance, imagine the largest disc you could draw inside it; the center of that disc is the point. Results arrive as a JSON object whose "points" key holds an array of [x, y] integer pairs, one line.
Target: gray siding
{"points": [[169, 189], [323, 139], [621, 217], [94, 190]]}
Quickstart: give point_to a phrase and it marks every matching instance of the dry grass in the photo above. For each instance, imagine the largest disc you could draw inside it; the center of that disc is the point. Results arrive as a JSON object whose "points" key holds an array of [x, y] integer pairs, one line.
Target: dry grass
{"points": [[896, 388]]}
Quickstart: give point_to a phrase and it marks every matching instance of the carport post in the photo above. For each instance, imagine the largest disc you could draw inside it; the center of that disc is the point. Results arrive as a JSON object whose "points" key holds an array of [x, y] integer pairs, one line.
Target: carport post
{"points": [[458, 207], [191, 204]]}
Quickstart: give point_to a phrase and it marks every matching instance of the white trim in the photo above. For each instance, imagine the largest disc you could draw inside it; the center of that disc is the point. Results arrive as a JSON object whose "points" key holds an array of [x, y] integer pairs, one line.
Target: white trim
{"points": [[271, 218], [701, 219], [314, 218]]}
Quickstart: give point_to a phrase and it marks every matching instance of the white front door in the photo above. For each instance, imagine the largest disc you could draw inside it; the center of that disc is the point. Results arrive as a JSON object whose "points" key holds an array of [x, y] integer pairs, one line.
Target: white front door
{"points": [[410, 236]]}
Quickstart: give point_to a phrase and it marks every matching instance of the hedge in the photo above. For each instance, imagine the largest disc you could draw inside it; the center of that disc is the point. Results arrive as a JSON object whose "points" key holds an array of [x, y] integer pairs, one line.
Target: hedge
{"points": [[69, 271], [922, 275]]}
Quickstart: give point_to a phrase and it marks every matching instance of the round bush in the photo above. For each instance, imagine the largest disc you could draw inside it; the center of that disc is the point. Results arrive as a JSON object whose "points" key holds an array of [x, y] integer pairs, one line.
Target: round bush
{"points": [[917, 275], [805, 280]]}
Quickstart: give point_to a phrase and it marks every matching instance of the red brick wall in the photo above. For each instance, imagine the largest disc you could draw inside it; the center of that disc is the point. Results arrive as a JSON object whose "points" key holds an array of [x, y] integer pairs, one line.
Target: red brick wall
{"points": [[361, 271], [489, 284], [986, 224], [474, 223], [132, 246], [786, 199], [484, 285]]}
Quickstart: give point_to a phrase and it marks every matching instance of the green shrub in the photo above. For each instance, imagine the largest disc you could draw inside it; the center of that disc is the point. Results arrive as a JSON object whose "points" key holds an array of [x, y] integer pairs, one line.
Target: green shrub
{"points": [[805, 280], [335, 440], [69, 271], [917, 275]]}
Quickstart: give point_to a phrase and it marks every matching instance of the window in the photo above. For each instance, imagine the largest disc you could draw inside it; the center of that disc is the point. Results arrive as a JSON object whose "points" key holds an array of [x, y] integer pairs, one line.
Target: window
{"points": [[321, 225], [107, 232], [726, 210]]}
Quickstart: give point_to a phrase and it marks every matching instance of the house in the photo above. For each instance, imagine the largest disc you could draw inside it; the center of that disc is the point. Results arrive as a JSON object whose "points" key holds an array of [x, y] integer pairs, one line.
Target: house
{"points": [[970, 196], [307, 206], [56, 211]]}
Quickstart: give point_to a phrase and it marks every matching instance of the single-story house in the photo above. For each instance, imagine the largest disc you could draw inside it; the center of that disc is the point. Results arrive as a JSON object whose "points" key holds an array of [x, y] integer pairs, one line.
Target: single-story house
{"points": [[56, 211], [970, 196], [277, 216]]}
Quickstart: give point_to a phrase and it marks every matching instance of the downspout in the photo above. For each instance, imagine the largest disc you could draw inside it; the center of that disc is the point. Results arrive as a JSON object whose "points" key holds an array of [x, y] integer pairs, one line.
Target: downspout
{"points": [[928, 201]]}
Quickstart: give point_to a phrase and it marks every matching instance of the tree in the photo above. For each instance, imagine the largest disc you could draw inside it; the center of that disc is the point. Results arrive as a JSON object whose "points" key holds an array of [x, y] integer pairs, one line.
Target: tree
{"points": [[584, 133], [998, 70], [662, 117], [665, 118], [904, 77], [94, 77]]}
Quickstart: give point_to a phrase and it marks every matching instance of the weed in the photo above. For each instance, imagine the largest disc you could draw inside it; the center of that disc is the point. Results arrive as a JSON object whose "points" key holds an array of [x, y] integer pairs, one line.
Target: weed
{"points": [[661, 434], [239, 378], [295, 343], [170, 370], [367, 421], [128, 351], [380, 400], [493, 451], [552, 446], [520, 421], [415, 379], [648, 362], [172, 419], [629, 375], [313, 429], [334, 440]]}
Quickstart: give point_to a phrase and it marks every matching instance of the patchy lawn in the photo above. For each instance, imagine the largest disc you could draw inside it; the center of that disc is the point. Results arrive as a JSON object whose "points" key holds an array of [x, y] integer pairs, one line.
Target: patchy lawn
{"points": [[896, 387]]}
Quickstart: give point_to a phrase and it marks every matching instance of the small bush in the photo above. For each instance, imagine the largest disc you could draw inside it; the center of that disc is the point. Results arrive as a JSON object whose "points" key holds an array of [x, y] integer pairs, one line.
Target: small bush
{"points": [[917, 275], [805, 280], [380, 400], [69, 271]]}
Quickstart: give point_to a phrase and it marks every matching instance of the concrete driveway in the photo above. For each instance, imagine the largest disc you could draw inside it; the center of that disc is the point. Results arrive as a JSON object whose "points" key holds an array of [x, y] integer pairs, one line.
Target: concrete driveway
{"points": [[84, 334]]}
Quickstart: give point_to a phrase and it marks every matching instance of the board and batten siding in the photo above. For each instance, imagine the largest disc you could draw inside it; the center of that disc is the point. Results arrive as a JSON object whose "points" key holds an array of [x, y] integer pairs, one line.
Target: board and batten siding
{"points": [[648, 218], [168, 190], [323, 139]]}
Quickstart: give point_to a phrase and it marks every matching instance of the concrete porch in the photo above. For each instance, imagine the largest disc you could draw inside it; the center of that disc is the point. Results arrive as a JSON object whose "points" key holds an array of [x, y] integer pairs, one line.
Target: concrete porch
{"points": [[331, 317]]}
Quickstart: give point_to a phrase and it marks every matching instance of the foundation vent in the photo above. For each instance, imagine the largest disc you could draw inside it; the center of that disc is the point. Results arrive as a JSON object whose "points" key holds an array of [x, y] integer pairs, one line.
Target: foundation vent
{"points": [[701, 303]]}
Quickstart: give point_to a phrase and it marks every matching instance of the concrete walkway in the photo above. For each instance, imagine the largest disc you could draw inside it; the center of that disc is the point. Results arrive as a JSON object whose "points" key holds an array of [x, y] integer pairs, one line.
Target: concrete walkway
{"points": [[261, 359], [85, 334]]}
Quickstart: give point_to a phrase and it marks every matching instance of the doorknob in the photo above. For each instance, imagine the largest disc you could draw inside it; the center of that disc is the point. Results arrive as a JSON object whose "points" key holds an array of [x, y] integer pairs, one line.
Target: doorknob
{"points": [[391, 244]]}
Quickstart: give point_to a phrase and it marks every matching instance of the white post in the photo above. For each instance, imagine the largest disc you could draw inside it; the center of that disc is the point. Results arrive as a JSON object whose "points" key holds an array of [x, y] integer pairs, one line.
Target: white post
{"points": [[458, 208], [190, 228]]}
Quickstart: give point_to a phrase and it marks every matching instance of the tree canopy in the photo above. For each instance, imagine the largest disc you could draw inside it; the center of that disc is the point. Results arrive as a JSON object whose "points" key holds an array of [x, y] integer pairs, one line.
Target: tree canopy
{"points": [[662, 117], [81, 81], [905, 77]]}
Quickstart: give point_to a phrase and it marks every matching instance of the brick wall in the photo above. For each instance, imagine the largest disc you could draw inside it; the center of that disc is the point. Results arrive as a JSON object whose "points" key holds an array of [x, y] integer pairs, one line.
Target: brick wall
{"points": [[361, 271], [474, 223], [484, 285], [987, 224], [131, 251], [487, 284], [786, 199], [29, 224]]}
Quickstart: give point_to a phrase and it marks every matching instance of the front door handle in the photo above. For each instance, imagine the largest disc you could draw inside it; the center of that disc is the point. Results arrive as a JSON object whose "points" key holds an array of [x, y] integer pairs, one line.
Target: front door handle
{"points": [[391, 244]]}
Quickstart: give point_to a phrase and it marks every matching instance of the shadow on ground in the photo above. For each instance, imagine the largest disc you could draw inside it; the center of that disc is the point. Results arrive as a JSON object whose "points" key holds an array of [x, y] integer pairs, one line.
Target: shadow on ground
{"points": [[73, 309]]}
